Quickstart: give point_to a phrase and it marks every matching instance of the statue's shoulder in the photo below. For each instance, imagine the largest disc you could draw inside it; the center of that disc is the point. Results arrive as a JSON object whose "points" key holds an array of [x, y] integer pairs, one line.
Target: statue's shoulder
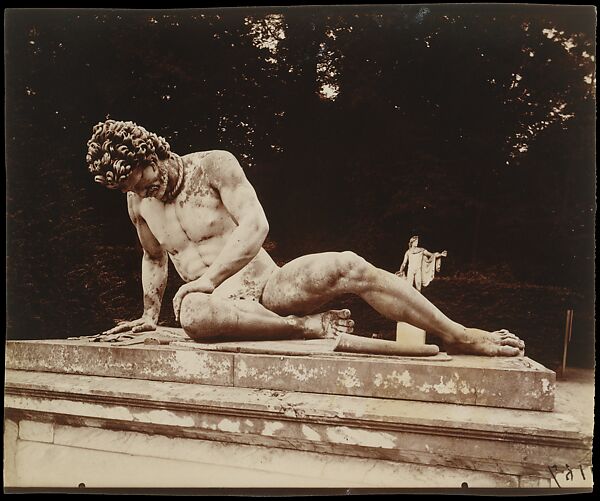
{"points": [[197, 158], [207, 160]]}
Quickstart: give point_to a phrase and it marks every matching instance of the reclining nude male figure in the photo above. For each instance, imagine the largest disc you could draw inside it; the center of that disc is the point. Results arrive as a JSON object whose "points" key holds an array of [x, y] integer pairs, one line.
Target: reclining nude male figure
{"points": [[201, 211]]}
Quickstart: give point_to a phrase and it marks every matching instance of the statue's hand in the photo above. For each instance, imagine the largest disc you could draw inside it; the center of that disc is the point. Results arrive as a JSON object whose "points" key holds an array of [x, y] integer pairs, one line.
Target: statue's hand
{"points": [[142, 324], [199, 285], [444, 253]]}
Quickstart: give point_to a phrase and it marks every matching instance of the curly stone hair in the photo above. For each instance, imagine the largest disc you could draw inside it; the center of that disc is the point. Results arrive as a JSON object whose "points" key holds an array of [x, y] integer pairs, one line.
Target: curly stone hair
{"points": [[117, 148]]}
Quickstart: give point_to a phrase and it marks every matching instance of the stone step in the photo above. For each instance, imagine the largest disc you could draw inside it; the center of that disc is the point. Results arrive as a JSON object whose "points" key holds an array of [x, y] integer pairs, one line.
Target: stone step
{"points": [[518, 383], [484, 439]]}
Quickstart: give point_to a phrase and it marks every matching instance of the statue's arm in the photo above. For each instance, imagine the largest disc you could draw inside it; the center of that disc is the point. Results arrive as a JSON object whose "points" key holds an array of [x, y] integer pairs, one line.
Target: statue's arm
{"points": [[154, 262], [154, 274], [239, 198], [404, 263]]}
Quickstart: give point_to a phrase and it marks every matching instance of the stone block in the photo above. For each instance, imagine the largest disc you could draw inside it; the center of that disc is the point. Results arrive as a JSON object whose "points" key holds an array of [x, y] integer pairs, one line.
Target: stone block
{"points": [[534, 483], [159, 363], [508, 382], [518, 383], [493, 440], [409, 334], [11, 433], [36, 431], [210, 464]]}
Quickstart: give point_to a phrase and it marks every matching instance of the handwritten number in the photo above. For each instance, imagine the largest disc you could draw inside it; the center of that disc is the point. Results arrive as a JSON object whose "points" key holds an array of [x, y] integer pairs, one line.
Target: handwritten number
{"points": [[553, 476], [569, 473]]}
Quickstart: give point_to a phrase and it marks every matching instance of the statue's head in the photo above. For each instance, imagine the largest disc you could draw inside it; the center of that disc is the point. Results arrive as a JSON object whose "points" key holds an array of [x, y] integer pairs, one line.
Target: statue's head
{"points": [[118, 149], [414, 241]]}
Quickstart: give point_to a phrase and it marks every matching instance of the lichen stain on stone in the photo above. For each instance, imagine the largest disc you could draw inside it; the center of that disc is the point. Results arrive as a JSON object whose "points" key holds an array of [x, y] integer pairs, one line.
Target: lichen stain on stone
{"points": [[348, 378], [443, 388], [425, 388], [394, 379], [161, 416], [464, 388], [229, 425], [192, 363], [353, 436], [547, 387], [310, 434], [76, 408], [205, 424], [301, 372], [271, 428], [243, 371]]}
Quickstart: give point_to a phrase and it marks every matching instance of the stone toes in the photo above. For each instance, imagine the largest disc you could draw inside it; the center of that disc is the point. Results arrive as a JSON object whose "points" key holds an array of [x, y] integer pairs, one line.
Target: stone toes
{"points": [[345, 313], [512, 342], [344, 328], [338, 332], [508, 351]]}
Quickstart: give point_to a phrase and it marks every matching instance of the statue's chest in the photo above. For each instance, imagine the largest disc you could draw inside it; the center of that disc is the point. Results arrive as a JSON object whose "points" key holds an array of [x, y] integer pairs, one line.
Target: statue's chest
{"points": [[189, 218], [202, 216], [162, 220]]}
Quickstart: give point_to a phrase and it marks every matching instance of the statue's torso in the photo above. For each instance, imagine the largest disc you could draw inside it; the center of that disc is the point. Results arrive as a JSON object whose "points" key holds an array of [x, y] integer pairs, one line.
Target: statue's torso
{"points": [[195, 226], [415, 258]]}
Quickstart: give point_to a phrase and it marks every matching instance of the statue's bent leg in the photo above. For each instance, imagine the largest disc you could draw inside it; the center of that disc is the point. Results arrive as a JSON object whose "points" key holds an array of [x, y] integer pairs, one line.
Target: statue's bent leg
{"points": [[306, 283], [209, 318]]}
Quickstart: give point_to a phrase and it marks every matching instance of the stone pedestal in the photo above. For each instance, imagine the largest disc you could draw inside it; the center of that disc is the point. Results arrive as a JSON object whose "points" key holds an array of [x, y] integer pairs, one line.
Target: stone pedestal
{"points": [[302, 366], [409, 334], [187, 416]]}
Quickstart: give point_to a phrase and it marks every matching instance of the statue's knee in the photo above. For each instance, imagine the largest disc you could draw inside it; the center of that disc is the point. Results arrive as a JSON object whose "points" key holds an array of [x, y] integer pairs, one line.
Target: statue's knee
{"points": [[194, 309], [353, 267]]}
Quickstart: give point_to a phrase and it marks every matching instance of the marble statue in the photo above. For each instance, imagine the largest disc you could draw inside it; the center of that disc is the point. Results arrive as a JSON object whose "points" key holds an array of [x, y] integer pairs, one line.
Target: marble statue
{"points": [[201, 211], [421, 264]]}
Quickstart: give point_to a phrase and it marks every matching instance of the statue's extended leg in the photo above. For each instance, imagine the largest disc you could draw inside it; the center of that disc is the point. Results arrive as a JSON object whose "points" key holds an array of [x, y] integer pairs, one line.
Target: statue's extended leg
{"points": [[208, 317], [306, 283], [418, 280]]}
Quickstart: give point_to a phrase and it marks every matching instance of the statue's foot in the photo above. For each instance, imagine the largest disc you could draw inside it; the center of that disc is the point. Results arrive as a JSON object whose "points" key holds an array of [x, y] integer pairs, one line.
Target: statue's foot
{"points": [[500, 343], [328, 325]]}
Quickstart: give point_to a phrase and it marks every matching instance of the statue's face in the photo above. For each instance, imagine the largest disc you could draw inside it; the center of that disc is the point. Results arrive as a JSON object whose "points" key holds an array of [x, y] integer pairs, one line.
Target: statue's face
{"points": [[150, 181], [415, 242]]}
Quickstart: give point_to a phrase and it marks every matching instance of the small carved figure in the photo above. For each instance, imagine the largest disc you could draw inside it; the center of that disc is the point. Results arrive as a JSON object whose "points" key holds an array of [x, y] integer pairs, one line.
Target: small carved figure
{"points": [[422, 264]]}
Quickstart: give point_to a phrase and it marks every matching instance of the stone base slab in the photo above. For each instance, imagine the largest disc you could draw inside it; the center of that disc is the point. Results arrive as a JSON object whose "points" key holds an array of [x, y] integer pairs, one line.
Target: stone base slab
{"points": [[481, 439], [506, 382], [97, 458]]}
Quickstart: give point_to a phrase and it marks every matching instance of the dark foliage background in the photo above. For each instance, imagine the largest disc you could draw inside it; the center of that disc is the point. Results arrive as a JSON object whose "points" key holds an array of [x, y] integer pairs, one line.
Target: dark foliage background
{"points": [[472, 126]]}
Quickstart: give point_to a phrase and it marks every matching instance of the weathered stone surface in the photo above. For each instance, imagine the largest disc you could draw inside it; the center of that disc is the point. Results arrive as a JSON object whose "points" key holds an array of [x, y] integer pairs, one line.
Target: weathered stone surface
{"points": [[518, 383], [159, 363], [155, 461], [534, 482], [504, 441], [11, 434], [36, 431]]}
